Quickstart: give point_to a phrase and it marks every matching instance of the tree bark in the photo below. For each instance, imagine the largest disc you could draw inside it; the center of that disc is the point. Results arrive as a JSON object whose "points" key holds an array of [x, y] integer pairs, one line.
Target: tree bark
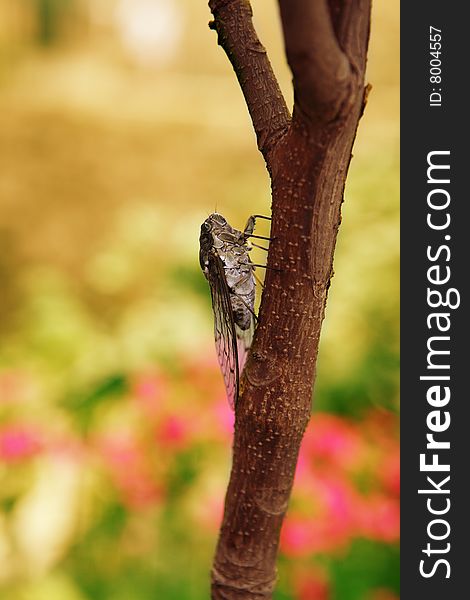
{"points": [[307, 157]]}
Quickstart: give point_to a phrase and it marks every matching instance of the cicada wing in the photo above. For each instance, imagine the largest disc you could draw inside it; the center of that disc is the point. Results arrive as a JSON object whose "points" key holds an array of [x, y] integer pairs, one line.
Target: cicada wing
{"points": [[244, 340], [224, 327]]}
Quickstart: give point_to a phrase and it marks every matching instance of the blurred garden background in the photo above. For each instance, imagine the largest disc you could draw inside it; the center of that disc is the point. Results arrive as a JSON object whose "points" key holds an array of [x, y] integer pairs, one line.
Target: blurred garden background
{"points": [[122, 127]]}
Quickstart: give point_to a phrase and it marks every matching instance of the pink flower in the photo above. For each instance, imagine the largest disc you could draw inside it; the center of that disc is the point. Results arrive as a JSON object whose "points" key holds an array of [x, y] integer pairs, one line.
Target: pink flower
{"points": [[173, 432], [340, 500], [333, 440], [390, 473], [325, 510], [225, 416], [311, 585], [147, 386], [17, 443], [296, 537], [303, 536], [130, 470], [379, 518], [150, 391], [346, 485], [303, 470]]}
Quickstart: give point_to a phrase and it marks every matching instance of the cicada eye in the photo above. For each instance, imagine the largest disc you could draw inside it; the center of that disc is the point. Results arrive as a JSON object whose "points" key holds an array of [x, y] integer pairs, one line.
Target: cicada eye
{"points": [[206, 226]]}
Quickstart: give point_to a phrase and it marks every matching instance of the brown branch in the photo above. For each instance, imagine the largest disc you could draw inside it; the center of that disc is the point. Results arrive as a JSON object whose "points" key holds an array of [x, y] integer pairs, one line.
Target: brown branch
{"points": [[266, 104], [351, 22], [321, 71], [308, 163]]}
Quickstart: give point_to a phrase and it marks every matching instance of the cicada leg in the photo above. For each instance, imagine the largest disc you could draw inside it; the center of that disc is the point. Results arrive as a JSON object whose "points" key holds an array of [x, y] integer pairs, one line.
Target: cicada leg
{"points": [[266, 267], [258, 246], [250, 227]]}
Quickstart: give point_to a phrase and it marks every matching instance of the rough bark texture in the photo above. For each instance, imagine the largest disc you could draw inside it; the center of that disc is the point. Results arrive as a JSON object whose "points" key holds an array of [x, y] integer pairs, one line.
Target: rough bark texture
{"points": [[308, 158]]}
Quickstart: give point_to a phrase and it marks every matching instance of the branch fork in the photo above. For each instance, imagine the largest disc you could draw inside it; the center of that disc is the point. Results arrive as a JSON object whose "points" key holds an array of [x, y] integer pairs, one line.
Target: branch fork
{"points": [[307, 155]]}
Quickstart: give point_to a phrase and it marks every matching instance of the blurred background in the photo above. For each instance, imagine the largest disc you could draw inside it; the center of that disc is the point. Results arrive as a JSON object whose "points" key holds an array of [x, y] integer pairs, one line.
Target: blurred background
{"points": [[122, 127]]}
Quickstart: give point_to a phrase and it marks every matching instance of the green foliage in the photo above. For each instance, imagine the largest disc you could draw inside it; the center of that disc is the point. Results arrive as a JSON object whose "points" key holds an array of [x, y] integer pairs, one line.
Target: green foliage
{"points": [[366, 566]]}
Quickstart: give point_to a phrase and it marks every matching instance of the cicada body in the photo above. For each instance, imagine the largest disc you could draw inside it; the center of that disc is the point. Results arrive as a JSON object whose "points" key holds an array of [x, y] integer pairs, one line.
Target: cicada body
{"points": [[225, 262]]}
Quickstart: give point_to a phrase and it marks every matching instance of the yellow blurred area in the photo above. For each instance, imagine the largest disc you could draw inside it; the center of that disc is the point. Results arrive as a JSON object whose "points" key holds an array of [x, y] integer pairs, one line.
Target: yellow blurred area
{"points": [[113, 151], [122, 126]]}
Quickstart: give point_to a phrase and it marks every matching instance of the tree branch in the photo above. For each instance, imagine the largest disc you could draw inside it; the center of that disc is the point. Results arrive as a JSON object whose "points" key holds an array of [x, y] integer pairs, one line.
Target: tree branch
{"points": [[266, 104], [308, 160], [351, 22], [321, 71]]}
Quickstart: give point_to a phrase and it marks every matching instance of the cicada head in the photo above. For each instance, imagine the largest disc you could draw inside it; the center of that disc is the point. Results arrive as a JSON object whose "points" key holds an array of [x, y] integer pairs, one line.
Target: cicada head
{"points": [[213, 224]]}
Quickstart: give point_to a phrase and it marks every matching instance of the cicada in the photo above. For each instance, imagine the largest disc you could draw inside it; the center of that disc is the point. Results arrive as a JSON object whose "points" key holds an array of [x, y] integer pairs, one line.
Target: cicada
{"points": [[226, 264]]}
